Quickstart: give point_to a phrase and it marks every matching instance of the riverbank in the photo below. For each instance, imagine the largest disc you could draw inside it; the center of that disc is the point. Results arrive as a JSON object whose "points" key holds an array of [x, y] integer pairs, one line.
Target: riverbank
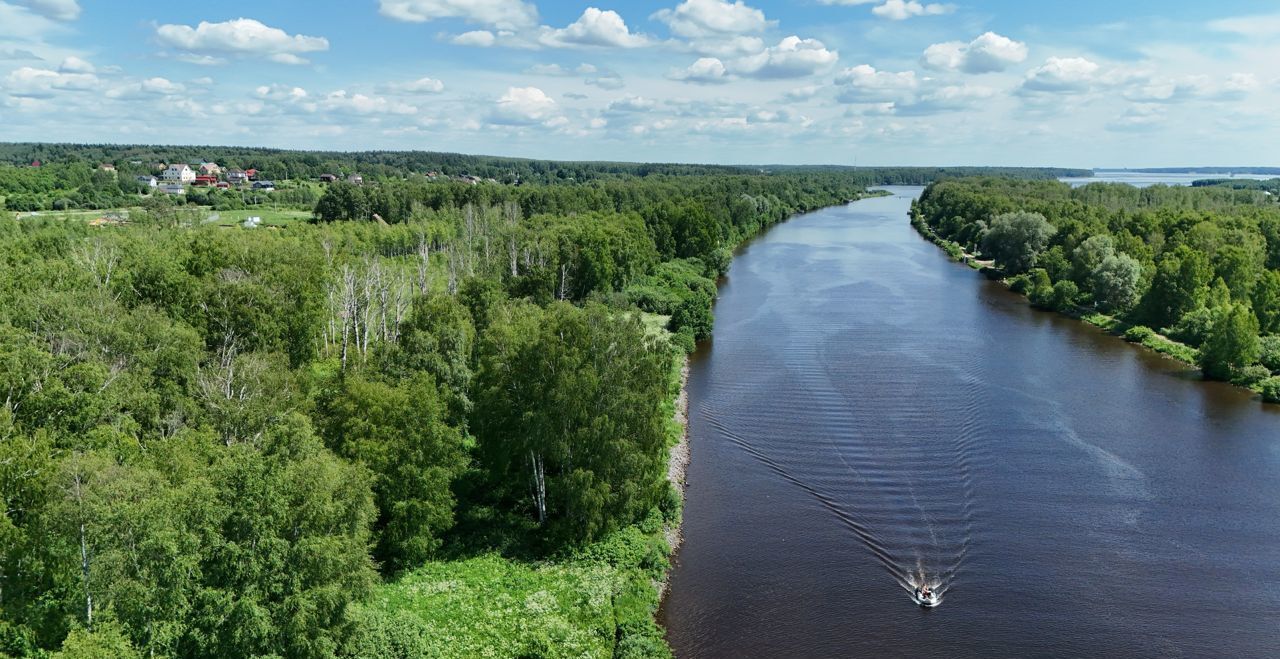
{"points": [[677, 466], [1136, 334]]}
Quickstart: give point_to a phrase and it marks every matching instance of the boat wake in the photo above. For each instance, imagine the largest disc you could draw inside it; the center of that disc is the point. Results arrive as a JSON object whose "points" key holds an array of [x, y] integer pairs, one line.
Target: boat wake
{"points": [[877, 460]]}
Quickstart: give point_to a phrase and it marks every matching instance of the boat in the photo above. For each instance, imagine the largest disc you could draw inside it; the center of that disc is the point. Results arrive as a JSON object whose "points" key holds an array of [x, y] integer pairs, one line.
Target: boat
{"points": [[927, 597]]}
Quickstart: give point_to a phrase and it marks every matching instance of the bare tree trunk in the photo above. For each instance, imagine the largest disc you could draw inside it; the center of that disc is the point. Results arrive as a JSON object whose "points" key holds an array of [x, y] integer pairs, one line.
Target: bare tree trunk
{"points": [[424, 265], [539, 486], [78, 492]]}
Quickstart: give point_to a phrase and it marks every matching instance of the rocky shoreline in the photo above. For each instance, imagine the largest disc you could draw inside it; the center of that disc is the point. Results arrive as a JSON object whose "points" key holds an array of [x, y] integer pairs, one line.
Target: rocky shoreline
{"points": [[677, 464]]}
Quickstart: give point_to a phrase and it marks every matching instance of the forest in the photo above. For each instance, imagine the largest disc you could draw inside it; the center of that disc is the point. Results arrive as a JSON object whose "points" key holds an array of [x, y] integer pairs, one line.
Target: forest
{"points": [[432, 421], [1190, 271]]}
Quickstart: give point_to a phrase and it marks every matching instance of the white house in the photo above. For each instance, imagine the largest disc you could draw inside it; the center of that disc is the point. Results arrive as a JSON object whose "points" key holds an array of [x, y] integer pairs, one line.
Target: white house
{"points": [[173, 188], [179, 174], [149, 181]]}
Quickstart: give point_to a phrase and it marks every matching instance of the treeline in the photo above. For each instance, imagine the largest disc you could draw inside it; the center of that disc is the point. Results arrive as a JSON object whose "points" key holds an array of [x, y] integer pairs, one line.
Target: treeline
{"points": [[1271, 185], [69, 176], [221, 442], [1200, 265]]}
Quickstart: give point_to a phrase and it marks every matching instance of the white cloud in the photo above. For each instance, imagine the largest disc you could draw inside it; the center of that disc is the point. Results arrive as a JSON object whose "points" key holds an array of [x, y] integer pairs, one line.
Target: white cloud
{"points": [[149, 87], [1257, 27], [497, 14], [901, 10], [705, 71], [475, 38], [1138, 118], [864, 84], [1062, 75], [523, 106], [419, 86], [630, 104], [793, 57], [988, 53], [244, 37], [803, 93], [704, 18], [75, 64], [950, 98], [595, 28], [359, 104], [606, 80], [60, 10], [30, 82]]}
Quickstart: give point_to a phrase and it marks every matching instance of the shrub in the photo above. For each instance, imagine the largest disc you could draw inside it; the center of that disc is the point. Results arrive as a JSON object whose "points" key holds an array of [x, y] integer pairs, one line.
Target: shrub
{"points": [[684, 340], [1250, 376], [1139, 334], [1192, 328], [1270, 389], [1065, 294], [1270, 356]]}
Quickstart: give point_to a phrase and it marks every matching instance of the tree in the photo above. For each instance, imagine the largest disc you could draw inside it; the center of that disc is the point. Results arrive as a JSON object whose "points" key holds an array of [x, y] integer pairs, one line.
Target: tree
{"points": [[1266, 302], [1180, 285], [694, 313], [1232, 343], [1086, 258], [1115, 282], [400, 434], [569, 416], [436, 339], [1016, 239]]}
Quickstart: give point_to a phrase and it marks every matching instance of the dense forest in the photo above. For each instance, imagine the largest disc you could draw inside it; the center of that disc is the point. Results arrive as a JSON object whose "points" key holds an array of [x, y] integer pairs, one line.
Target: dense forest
{"points": [[73, 176], [433, 421], [1198, 265]]}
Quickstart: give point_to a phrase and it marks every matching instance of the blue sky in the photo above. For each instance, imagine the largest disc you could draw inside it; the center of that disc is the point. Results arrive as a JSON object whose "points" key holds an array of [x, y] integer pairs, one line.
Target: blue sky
{"points": [[1086, 83]]}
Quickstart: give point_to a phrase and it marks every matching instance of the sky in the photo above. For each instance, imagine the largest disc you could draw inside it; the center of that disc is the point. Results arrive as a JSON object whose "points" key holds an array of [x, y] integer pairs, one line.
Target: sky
{"points": [[1088, 83]]}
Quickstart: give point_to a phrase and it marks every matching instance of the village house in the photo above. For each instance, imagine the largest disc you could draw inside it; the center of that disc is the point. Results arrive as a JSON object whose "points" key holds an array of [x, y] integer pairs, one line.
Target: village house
{"points": [[173, 188], [328, 178], [180, 173], [265, 186], [237, 176], [355, 179], [149, 181], [210, 169], [204, 181], [107, 167]]}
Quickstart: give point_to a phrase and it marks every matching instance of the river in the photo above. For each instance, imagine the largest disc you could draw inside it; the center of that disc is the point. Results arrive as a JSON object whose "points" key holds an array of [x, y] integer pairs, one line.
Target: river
{"points": [[868, 411]]}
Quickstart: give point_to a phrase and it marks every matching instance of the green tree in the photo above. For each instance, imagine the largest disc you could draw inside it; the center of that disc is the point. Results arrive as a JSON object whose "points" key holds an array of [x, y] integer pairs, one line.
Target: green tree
{"points": [[569, 416], [400, 434], [1180, 285], [1232, 343], [1016, 239], [1115, 282]]}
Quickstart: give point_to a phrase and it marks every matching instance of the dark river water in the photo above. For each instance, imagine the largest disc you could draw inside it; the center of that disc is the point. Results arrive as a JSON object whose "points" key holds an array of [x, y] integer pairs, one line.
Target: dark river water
{"points": [[869, 414]]}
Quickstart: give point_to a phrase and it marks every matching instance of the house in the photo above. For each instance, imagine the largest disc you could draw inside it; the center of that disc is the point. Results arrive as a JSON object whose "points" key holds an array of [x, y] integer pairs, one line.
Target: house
{"points": [[223, 185], [204, 181], [237, 176], [173, 188], [107, 167], [328, 178], [251, 173], [149, 181], [355, 179], [181, 173], [210, 169], [265, 186]]}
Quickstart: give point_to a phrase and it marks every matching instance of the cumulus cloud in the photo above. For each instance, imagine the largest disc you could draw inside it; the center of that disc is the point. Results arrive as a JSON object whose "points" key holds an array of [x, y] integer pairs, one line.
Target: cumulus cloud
{"points": [[74, 64], [1062, 75], [606, 80], [793, 57], [59, 10], [595, 28], [419, 86], [629, 105], [949, 98], [1234, 87], [901, 10], [705, 71], [359, 104], [523, 106], [30, 82], [243, 37], [1138, 118], [864, 84], [711, 18], [149, 87], [475, 38], [988, 53], [497, 14]]}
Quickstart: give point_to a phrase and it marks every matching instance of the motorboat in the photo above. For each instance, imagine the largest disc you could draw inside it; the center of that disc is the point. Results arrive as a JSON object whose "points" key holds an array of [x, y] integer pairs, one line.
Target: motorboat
{"points": [[927, 597]]}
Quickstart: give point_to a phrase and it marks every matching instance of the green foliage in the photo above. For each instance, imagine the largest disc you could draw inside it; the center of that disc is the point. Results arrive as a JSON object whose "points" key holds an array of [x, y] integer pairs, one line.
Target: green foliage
{"points": [[1014, 240], [1194, 327], [570, 416], [400, 434], [1115, 282], [107, 640], [1269, 352], [1251, 376], [1270, 389], [694, 316], [1232, 343], [1139, 334], [1065, 294]]}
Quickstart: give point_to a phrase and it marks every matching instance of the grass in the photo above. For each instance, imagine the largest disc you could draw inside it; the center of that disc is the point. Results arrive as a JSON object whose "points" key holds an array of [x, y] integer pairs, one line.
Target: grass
{"points": [[1144, 336], [270, 216], [596, 602]]}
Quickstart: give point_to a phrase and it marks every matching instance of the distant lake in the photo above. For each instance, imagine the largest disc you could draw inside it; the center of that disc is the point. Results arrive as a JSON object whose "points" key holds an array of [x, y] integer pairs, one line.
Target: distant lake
{"points": [[1143, 180], [868, 411]]}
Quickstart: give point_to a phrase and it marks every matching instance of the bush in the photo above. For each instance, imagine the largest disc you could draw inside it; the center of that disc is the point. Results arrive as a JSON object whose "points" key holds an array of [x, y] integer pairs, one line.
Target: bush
{"points": [[1139, 334], [1271, 353], [1270, 389], [1065, 294], [693, 314], [1192, 328], [684, 340], [1250, 376]]}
